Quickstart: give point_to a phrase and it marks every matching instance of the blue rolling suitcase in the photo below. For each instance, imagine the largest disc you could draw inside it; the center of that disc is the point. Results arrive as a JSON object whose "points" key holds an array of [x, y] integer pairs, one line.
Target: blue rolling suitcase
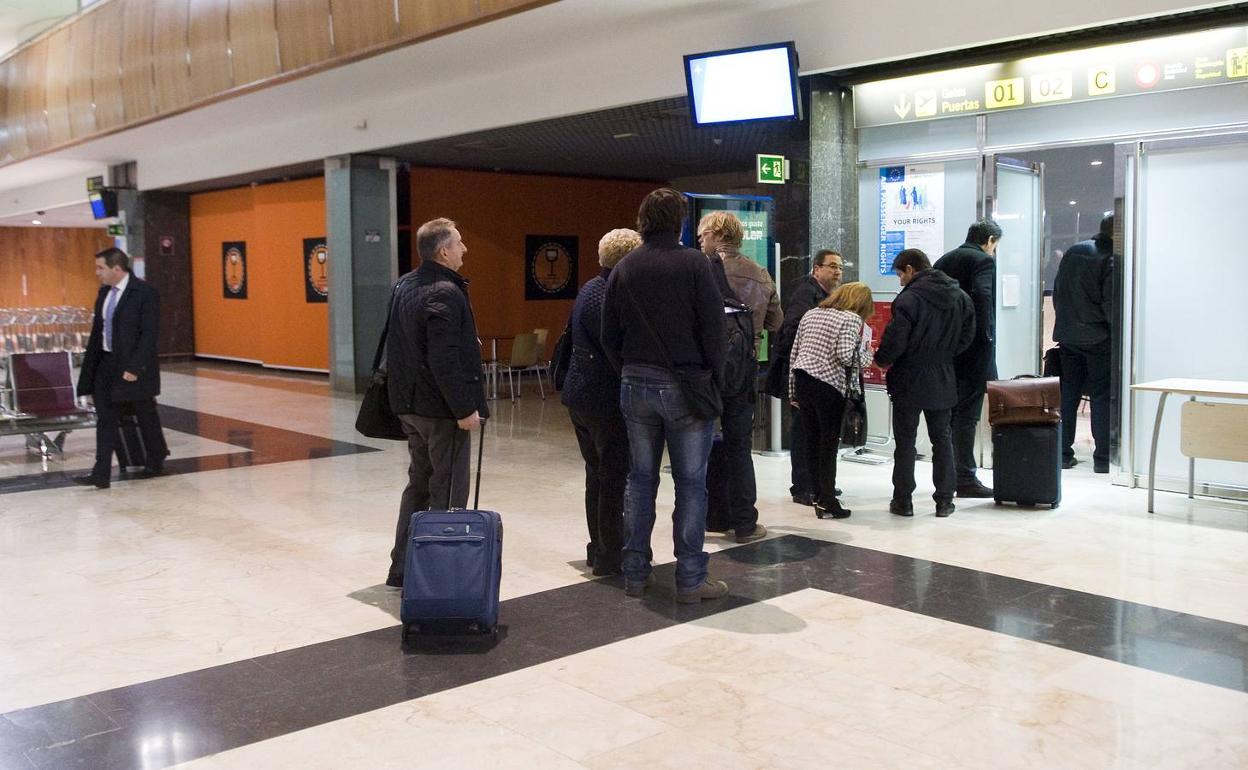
{"points": [[453, 569]]}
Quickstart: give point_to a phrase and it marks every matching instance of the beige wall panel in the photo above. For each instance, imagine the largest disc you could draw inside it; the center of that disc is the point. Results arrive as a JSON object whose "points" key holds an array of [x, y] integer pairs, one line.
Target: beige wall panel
{"points": [[169, 48], [15, 107], [303, 32], [209, 36], [253, 39], [56, 88], [79, 71], [420, 17], [5, 149], [138, 88], [35, 63], [110, 111], [361, 24]]}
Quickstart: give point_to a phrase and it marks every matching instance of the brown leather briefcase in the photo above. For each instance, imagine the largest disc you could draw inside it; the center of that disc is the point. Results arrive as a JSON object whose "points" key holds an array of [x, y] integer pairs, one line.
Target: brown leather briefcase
{"points": [[1025, 401]]}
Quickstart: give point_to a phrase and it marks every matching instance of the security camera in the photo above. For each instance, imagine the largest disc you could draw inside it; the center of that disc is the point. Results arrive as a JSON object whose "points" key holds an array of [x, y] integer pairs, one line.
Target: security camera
{"points": [[41, 213]]}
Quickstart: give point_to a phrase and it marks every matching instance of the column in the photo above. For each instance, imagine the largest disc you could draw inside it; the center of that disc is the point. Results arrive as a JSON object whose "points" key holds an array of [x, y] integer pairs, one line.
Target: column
{"points": [[361, 218], [834, 173]]}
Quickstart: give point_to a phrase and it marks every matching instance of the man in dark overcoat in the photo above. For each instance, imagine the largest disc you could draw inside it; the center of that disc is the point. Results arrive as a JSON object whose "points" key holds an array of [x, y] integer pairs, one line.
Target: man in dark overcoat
{"points": [[973, 266], [120, 370]]}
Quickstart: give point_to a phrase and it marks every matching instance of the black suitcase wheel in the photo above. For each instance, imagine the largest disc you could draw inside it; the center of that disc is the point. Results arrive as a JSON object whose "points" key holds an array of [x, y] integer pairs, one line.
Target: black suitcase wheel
{"points": [[1054, 506], [996, 501], [409, 630]]}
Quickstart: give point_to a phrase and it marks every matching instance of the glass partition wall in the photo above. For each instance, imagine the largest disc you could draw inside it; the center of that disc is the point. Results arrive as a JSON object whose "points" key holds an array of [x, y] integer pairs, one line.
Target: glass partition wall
{"points": [[1176, 160]]}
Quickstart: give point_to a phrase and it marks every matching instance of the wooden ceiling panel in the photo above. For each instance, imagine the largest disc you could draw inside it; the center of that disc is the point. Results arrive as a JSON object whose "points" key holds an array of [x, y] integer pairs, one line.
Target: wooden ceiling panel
{"points": [[138, 83], [169, 55], [421, 17], [56, 88], [208, 33], [362, 24], [303, 33], [81, 76], [253, 40], [110, 110]]}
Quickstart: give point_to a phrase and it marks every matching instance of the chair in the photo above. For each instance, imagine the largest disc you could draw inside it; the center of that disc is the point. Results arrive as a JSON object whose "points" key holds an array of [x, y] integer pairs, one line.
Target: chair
{"points": [[42, 389], [523, 359], [543, 363]]}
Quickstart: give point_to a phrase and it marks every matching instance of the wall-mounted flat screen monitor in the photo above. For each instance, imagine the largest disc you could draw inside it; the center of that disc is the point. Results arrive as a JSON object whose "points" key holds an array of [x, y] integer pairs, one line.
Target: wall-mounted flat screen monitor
{"points": [[103, 203], [743, 84]]}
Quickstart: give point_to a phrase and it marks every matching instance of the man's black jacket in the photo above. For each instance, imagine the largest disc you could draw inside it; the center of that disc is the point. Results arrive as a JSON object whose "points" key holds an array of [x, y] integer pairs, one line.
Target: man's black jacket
{"points": [[675, 289], [1083, 294], [433, 356], [976, 274], [136, 326], [933, 321]]}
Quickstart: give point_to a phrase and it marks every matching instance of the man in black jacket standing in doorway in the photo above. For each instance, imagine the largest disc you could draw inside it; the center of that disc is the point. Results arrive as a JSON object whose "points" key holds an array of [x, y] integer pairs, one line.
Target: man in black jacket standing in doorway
{"points": [[933, 321], [1083, 327], [433, 365], [120, 366], [973, 266]]}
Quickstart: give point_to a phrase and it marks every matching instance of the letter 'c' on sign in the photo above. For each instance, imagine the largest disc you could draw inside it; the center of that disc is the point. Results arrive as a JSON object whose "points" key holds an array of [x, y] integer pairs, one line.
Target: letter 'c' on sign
{"points": [[1101, 81]]}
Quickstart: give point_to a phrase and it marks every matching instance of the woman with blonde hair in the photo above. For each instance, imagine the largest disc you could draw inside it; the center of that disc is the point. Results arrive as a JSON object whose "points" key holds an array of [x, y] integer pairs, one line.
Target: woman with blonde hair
{"points": [[592, 394], [833, 344]]}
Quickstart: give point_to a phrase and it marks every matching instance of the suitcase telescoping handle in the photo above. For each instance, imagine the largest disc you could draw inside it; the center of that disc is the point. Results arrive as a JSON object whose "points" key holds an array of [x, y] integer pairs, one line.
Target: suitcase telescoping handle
{"points": [[450, 488], [476, 494]]}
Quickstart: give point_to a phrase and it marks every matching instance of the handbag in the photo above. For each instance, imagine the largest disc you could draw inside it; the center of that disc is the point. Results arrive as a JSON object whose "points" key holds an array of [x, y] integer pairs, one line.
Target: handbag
{"points": [[854, 420], [1025, 400], [375, 419], [697, 385]]}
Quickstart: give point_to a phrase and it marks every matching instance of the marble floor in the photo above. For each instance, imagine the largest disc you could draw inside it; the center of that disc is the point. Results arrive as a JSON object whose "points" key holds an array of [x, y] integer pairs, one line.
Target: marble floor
{"points": [[231, 614]]}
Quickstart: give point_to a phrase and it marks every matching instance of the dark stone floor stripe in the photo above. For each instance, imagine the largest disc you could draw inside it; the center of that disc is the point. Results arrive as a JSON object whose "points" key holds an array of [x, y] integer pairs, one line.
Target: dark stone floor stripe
{"points": [[262, 445], [165, 721]]}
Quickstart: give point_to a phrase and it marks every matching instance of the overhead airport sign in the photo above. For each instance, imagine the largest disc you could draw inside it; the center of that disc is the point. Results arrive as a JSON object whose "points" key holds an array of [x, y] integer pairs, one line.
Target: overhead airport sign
{"points": [[1196, 60]]}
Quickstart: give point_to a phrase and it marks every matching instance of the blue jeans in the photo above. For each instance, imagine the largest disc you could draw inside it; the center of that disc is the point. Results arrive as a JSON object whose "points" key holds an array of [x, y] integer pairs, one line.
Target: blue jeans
{"points": [[655, 412]]}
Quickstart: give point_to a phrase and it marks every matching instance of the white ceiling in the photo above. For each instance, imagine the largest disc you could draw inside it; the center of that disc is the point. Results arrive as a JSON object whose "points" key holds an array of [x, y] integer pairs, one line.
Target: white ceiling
{"points": [[73, 215], [21, 20]]}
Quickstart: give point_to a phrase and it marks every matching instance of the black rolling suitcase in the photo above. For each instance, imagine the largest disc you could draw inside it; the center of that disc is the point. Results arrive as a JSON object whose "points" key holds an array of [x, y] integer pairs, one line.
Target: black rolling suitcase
{"points": [[131, 453], [717, 487], [1027, 464]]}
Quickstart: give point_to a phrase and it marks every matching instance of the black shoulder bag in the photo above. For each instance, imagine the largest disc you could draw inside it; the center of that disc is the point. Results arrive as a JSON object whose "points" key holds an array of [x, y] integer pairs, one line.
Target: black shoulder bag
{"points": [[375, 419], [697, 385], [854, 421]]}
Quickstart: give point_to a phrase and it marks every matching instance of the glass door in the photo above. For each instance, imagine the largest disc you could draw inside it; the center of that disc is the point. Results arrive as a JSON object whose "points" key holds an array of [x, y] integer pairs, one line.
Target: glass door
{"points": [[1014, 197]]}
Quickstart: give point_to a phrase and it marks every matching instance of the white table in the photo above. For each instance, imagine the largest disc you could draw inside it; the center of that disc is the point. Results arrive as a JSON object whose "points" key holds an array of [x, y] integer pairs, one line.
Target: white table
{"points": [[1187, 387]]}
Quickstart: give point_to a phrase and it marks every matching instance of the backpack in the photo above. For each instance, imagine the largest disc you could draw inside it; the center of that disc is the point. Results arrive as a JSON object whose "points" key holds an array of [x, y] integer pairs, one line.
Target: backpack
{"points": [[561, 357], [740, 365]]}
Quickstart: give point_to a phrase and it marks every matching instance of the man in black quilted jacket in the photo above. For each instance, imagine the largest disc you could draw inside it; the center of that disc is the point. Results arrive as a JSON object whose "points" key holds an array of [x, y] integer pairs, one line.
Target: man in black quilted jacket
{"points": [[433, 365]]}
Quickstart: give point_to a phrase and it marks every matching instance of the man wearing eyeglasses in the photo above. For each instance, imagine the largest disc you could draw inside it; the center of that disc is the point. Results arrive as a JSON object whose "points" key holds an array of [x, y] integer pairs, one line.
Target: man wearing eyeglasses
{"points": [[826, 270]]}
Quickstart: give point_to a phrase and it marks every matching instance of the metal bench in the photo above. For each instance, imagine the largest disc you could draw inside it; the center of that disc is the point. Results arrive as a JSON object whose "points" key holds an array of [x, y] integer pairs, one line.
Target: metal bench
{"points": [[40, 400]]}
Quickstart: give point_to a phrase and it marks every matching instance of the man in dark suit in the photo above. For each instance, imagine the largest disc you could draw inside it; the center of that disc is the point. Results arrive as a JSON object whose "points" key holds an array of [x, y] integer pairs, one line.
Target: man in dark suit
{"points": [[120, 365], [973, 266]]}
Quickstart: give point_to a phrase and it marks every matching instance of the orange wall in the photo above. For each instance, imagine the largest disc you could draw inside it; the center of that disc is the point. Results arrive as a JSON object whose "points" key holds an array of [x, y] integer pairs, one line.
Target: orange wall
{"points": [[494, 213], [57, 263], [275, 324]]}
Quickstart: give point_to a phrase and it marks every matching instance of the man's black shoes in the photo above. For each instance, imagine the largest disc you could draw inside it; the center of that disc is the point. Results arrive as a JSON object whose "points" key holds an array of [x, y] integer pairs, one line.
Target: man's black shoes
{"points": [[900, 507], [91, 480], [973, 488], [1068, 463], [150, 473], [944, 510]]}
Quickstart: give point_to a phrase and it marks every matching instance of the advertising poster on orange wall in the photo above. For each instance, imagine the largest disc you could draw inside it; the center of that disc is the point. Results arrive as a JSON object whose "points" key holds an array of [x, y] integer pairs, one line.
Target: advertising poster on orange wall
{"points": [[315, 270], [550, 266], [234, 269]]}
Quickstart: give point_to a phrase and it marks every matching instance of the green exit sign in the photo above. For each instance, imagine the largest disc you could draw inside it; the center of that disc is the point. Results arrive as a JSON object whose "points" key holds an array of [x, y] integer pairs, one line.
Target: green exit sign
{"points": [[117, 230], [771, 169]]}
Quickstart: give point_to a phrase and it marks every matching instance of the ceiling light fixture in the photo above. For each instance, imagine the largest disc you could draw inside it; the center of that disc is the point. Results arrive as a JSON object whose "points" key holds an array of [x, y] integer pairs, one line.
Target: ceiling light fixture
{"points": [[625, 135], [1074, 203], [1096, 163], [36, 221]]}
